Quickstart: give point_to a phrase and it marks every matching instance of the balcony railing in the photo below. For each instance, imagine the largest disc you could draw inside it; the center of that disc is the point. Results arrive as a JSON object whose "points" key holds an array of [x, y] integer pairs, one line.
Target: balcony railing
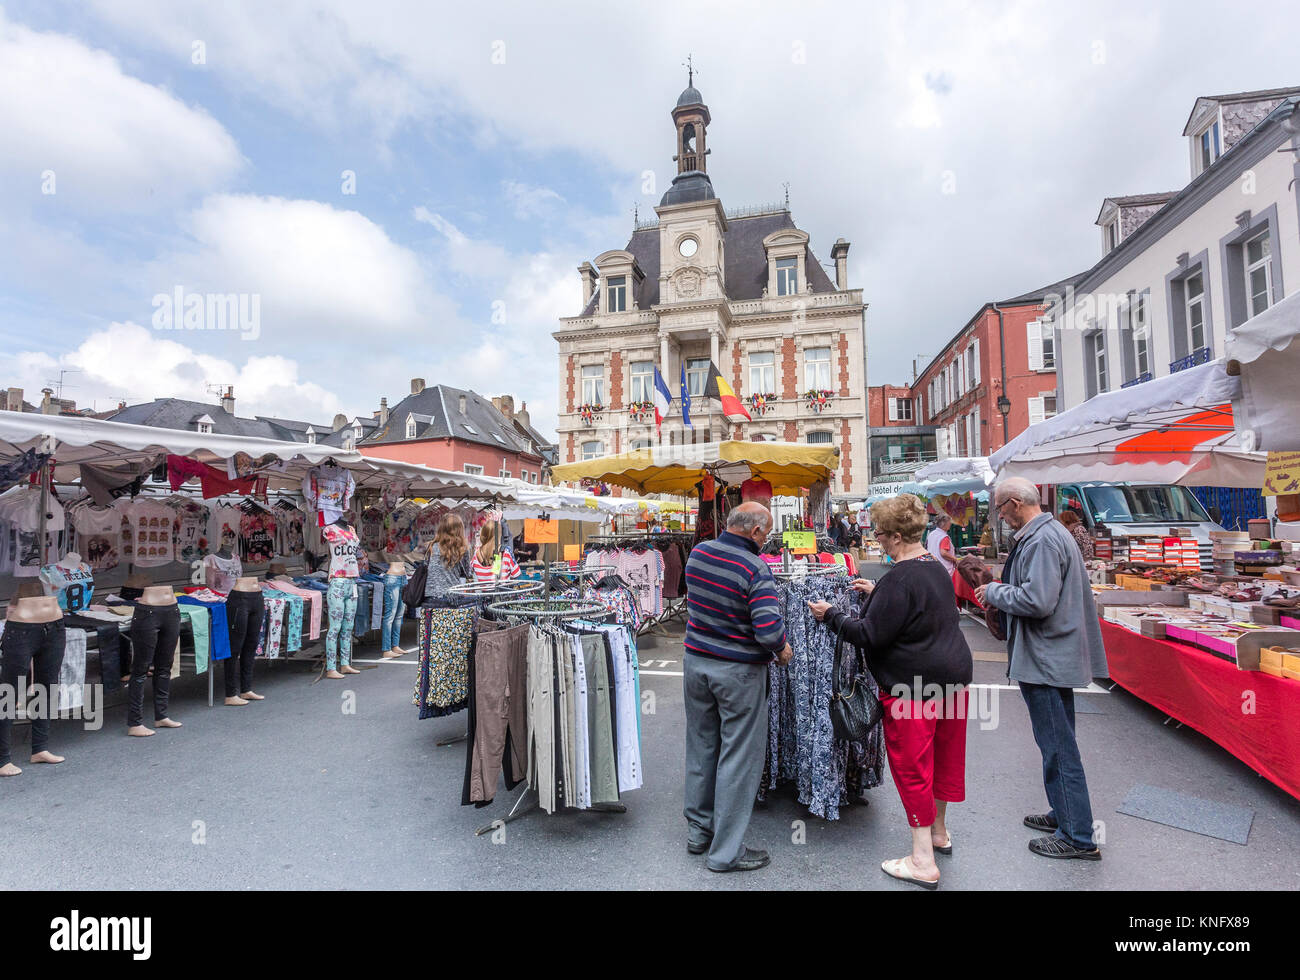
{"points": [[907, 463], [1199, 356], [1144, 376]]}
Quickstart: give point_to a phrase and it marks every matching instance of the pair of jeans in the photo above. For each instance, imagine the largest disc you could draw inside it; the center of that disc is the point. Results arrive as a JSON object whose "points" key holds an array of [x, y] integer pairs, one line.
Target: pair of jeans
{"points": [[1051, 713], [244, 614], [23, 646], [155, 631], [393, 611], [342, 598], [109, 643]]}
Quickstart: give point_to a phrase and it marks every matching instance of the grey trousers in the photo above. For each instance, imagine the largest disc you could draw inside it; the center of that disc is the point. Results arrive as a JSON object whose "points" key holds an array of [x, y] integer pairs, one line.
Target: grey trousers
{"points": [[726, 737]]}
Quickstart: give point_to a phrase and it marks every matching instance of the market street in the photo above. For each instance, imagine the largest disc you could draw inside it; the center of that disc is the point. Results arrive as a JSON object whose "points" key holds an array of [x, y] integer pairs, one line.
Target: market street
{"points": [[295, 793]]}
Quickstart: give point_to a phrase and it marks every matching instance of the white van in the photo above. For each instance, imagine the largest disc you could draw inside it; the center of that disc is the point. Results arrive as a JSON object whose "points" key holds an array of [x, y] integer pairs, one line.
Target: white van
{"points": [[1136, 509]]}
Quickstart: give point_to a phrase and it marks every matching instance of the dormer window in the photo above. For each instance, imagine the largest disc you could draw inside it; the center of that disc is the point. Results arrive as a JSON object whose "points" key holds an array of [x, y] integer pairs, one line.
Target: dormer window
{"points": [[616, 294], [205, 428], [311, 436], [410, 427], [1111, 232], [787, 276], [356, 434], [203, 425]]}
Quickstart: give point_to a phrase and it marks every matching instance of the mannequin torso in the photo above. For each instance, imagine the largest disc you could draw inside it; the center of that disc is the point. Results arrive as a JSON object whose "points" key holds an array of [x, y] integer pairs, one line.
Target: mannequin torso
{"points": [[34, 609], [157, 595]]}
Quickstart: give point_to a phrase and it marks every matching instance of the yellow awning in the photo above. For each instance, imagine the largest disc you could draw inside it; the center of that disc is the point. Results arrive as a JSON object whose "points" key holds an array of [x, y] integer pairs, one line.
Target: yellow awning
{"points": [[787, 466]]}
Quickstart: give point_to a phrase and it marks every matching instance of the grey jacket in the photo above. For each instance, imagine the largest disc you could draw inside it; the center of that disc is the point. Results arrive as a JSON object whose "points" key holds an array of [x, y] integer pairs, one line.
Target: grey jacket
{"points": [[440, 578], [1053, 636]]}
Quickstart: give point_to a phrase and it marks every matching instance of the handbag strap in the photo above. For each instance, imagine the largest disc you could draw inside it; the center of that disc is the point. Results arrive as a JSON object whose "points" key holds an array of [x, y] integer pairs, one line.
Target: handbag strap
{"points": [[839, 659]]}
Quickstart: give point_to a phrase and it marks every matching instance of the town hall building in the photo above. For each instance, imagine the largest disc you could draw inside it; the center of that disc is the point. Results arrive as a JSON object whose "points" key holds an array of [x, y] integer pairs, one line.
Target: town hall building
{"points": [[700, 283]]}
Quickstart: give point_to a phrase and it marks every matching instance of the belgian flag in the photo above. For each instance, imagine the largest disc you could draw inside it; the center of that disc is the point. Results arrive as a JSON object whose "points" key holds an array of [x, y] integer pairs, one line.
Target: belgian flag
{"points": [[718, 389]]}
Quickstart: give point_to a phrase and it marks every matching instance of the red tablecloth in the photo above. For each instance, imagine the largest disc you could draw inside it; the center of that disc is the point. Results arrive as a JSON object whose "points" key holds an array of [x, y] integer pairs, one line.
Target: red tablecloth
{"points": [[1209, 694]]}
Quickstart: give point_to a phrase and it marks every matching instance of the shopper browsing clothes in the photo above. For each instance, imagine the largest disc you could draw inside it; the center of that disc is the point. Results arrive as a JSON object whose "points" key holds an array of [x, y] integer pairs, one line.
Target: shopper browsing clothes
{"points": [[910, 632], [449, 563], [1054, 645], [485, 565], [733, 631]]}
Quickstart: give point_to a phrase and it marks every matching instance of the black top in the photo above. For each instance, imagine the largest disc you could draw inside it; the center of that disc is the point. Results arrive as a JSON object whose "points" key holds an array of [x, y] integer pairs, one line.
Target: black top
{"points": [[910, 627]]}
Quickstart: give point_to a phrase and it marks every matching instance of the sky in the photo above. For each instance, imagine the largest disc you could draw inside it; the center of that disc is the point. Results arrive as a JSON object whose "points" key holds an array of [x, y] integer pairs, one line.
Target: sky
{"points": [[392, 190]]}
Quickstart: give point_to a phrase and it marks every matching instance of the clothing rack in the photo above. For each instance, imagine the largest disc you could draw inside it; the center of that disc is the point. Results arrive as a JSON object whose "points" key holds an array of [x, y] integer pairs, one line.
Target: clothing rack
{"points": [[547, 612], [808, 571]]}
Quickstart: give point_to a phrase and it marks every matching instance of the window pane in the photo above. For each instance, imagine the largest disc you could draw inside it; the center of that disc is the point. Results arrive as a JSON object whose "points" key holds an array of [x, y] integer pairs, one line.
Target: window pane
{"points": [[817, 368], [1195, 286], [819, 438], [1256, 249], [1258, 290], [697, 373], [642, 381], [787, 272]]}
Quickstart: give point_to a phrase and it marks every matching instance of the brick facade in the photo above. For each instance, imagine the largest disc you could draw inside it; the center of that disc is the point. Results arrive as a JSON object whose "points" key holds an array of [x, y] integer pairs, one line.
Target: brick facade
{"points": [[616, 383], [789, 377], [846, 456], [844, 367], [569, 393]]}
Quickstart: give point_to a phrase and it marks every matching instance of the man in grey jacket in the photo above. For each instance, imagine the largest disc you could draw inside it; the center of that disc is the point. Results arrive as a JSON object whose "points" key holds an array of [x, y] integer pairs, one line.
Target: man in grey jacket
{"points": [[1054, 645]]}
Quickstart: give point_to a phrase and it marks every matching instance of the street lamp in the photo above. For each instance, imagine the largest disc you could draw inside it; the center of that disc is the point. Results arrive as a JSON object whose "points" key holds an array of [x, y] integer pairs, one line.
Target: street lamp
{"points": [[1004, 409]]}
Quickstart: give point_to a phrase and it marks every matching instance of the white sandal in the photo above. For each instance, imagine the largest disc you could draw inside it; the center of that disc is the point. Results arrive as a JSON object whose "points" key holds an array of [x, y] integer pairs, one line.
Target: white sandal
{"points": [[901, 868]]}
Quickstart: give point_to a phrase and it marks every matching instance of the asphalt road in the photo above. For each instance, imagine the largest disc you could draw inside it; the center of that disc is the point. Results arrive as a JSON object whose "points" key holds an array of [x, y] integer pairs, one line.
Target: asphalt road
{"points": [[337, 784]]}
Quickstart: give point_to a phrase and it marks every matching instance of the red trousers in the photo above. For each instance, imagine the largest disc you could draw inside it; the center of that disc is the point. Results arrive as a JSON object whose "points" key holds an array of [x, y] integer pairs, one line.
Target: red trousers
{"points": [[926, 744]]}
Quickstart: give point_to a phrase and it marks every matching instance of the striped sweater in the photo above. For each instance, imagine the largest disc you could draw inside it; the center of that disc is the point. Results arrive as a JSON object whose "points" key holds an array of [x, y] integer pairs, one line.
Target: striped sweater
{"points": [[734, 613]]}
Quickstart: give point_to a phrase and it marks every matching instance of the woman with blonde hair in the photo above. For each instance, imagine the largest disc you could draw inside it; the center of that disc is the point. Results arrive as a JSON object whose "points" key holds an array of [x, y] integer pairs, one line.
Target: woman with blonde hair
{"points": [[448, 563], [484, 564], [910, 633]]}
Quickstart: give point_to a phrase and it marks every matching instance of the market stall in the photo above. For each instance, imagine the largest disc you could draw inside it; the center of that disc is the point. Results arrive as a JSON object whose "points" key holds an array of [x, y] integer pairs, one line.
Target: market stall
{"points": [[1264, 353]]}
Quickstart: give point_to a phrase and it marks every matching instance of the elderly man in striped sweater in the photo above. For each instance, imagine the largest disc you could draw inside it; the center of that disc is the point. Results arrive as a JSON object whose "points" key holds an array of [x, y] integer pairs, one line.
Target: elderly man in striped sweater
{"points": [[733, 632]]}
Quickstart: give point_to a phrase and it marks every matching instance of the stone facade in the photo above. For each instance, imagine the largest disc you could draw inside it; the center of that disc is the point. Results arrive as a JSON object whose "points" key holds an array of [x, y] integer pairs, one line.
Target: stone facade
{"points": [[743, 290]]}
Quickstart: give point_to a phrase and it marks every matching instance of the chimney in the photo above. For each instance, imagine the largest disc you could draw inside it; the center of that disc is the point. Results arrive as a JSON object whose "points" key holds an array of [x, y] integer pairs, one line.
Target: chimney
{"points": [[340, 421], [228, 400], [840, 253], [522, 415], [121, 406], [46, 407], [588, 273], [417, 385], [14, 400], [505, 404], [383, 411], [461, 404]]}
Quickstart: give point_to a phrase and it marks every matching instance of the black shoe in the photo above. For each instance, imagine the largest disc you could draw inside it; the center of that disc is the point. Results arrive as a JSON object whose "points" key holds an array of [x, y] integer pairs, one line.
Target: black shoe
{"points": [[751, 860], [1057, 847], [1041, 821], [698, 848]]}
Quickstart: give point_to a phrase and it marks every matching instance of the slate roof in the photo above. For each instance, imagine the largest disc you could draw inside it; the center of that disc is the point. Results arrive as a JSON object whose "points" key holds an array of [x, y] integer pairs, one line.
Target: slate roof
{"points": [[180, 413], [1036, 295], [746, 260], [438, 416]]}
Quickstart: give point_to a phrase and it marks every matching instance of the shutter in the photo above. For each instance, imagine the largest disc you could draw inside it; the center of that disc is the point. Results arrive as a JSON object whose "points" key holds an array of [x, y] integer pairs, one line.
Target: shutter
{"points": [[893, 409], [1035, 345], [979, 435], [977, 364], [1035, 410]]}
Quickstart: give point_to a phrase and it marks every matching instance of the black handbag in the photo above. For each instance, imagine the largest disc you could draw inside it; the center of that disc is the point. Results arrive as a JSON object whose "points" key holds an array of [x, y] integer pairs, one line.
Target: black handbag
{"points": [[413, 590], [855, 712]]}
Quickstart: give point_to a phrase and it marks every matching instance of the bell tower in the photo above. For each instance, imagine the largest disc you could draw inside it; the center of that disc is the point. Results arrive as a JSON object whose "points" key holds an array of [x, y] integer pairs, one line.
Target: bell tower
{"points": [[691, 117]]}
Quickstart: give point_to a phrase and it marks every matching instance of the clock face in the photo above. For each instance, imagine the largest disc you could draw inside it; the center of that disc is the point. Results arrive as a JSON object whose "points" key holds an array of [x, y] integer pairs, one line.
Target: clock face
{"points": [[687, 247]]}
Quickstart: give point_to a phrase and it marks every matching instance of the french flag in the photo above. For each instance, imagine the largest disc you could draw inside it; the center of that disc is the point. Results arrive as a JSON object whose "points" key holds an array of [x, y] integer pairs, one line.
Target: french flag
{"points": [[663, 399]]}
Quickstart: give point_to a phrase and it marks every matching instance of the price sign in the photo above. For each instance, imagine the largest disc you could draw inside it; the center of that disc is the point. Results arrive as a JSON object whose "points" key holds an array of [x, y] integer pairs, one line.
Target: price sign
{"points": [[800, 542], [572, 552], [541, 532]]}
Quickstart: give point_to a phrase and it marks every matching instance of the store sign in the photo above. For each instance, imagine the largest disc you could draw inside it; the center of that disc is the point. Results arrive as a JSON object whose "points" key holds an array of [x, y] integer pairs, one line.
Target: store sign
{"points": [[541, 532], [1282, 475], [800, 542], [886, 489]]}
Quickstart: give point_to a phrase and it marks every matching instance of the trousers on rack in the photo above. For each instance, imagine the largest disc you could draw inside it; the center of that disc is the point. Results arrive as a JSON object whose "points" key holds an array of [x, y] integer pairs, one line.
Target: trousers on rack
{"points": [[22, 647], [342, 599], [499, 722], [244, 614], [394, 609], [600, 720], [155, 631]]}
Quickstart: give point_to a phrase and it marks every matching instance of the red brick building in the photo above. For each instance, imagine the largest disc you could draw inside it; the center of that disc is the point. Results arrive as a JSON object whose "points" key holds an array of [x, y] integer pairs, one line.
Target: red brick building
{"points": [[1005, 349]]}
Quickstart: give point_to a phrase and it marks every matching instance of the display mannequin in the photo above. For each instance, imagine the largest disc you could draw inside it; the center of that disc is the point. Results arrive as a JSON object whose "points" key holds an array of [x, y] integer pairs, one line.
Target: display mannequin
{"points": [[344, 546], [33, 638], [221, 569], [394, 609], [245, 611], [155, 632]]}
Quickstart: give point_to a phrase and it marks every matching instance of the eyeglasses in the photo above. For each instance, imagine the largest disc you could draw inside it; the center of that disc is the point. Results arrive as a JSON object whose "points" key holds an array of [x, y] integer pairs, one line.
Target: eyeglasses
{"points": [[997, 509]]}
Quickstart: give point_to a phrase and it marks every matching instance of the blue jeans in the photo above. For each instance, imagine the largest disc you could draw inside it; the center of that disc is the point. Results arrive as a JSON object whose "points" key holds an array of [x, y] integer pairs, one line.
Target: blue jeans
{"points": [[394, 609], [1051, 713]]}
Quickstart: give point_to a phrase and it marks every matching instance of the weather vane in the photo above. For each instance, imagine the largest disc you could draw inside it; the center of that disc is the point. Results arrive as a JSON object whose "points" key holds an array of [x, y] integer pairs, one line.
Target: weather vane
{"points": [[690, 71]]}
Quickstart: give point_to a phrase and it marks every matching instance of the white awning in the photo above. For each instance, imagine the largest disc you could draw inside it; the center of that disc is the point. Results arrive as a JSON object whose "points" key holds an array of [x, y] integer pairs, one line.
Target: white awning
{"points": [[1175, 429], [1265, 353], [954, 475]]}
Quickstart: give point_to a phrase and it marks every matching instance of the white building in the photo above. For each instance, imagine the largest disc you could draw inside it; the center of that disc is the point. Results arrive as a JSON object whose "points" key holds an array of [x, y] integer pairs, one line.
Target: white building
{"points": [[1179, 270]]}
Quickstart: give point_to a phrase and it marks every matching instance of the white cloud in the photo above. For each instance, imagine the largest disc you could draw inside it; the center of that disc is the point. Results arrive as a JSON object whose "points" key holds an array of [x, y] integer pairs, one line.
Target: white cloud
{"points": [[469, 257], [323, 274], [112, 141], [530, 201], [125, 361]]}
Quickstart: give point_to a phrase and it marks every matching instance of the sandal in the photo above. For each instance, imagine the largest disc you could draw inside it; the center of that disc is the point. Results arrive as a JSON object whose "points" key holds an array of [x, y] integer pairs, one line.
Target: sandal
{"points": [[901, 868], [942, 848]]}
